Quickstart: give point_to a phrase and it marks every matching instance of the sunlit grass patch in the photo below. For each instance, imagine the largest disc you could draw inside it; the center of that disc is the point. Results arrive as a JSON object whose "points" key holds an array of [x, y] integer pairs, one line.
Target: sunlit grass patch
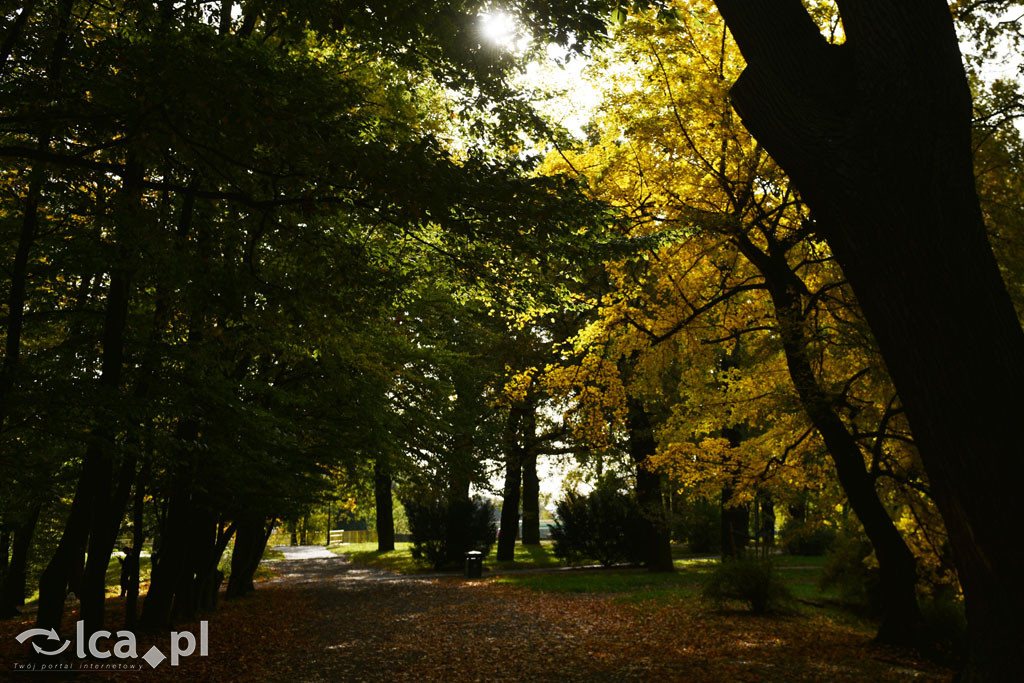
{"points": [[112, 580], [695, 562], [634, 583], [272, 554], [401, 560], [799, 574], [398, 560], [526, 557]]}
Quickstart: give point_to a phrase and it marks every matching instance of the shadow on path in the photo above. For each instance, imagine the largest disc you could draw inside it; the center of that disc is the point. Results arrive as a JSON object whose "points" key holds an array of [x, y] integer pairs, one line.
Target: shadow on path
{"points": [[347, 622]]}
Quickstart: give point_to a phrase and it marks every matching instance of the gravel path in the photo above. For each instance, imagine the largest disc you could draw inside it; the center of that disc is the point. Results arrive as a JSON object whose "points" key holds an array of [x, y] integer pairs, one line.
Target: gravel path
{"points": [[322, 618], [304, 552], [354, 623]]}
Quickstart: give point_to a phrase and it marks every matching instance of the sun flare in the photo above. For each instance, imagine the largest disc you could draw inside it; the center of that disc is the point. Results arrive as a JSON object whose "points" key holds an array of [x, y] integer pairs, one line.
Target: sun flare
{"points": [[501, 29]]}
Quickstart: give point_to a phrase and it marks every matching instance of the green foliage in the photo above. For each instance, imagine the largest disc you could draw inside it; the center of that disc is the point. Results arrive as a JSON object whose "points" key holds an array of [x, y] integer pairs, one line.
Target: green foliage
{"points": [[807, 538], [849, 572], [288, 193], [444, 531], [945, 622], [602, 525], [750, 580], [698, 522]]}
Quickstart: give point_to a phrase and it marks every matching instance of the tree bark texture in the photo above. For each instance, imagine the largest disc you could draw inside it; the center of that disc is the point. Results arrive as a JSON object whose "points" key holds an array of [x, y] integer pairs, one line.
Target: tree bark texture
{"points": [[657, 535], [531, 482], [12, 595], [383, 502], [735, 526], [134, 557], [509, 529], [250, 541]]}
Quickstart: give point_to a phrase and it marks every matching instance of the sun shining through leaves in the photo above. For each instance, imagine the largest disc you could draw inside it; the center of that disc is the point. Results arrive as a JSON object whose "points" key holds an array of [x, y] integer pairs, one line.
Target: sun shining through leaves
{"points": [[502, 30]]}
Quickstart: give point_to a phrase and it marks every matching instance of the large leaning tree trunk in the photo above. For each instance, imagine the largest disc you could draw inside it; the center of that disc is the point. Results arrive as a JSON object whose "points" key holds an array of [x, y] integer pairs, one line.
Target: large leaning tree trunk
{"points": [[876, 134], [250, 542]]}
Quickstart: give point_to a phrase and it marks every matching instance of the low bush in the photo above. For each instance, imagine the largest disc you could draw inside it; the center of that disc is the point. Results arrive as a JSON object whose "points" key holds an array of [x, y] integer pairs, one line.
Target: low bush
{"points": [[945, 623], [604, 525], [750, 580], [850, 572], [698, 522], [807, 538], [442, 532]]}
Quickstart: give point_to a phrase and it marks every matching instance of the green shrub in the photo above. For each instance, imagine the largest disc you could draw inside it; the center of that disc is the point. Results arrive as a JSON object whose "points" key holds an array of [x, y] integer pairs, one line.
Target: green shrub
{"points": [[442, 532], [847, 571], [945, 623], [698, 521], [750, 580], [807, 538], [604, 525]]}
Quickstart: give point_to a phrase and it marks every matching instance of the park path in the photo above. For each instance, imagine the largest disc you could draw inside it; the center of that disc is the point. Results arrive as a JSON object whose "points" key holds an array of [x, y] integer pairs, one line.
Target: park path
{"points": [[304, 552], [322, 618]]}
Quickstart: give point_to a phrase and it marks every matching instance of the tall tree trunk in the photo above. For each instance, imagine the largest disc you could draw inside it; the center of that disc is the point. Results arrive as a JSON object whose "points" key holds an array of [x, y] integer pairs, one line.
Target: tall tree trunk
{"points": [[133, 559], [109, 496], [509, 529], [209, 577], [66, 563], [657, 535], [250, 541], [91, 502], [30, 217], [169, 566], [461, 466], [12, 595], [203, 578], [108, 512], [876, 133], [172, 565], [735, 526], [531, 483], [531, 498], [5, 551], [767, 516], [225, 17], [384, 503]]}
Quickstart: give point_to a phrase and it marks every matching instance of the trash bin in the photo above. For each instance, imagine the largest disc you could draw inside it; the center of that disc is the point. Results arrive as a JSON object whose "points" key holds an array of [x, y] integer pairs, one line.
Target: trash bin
{"points": [[474, 564]]}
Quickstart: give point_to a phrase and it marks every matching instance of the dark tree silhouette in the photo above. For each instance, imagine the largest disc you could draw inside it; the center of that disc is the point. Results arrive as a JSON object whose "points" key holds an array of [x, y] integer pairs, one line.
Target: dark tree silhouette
{"points": [[876, 134]]}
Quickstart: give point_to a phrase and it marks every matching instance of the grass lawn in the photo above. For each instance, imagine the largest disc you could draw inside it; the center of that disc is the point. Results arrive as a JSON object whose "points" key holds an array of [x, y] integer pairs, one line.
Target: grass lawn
{"points": [[628, 585], [113, 578], [800, 574], [401, 560]]}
